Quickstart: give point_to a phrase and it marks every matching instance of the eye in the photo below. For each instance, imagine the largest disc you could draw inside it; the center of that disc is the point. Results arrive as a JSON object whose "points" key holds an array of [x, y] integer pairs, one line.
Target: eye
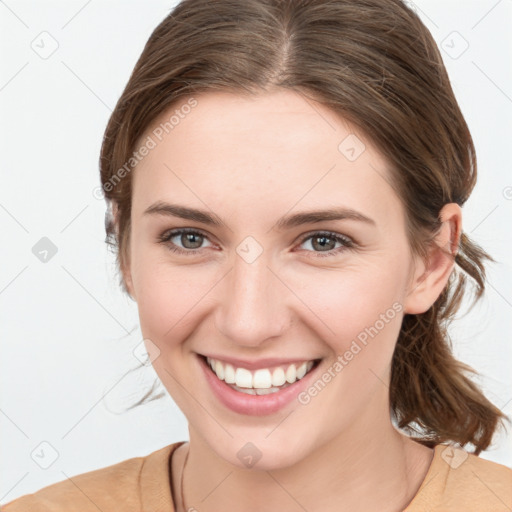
{"points": [[323, 243], [326, 241], [191, 240]]}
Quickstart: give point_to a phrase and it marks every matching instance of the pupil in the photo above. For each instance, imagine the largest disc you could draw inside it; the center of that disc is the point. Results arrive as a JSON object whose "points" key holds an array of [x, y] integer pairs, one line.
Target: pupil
{"points": [[323, 239], [189, 237]]}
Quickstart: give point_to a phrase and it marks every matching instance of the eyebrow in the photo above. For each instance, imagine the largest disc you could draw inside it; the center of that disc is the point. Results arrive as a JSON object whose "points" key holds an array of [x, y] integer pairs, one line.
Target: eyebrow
{"points": [[294, 220]]}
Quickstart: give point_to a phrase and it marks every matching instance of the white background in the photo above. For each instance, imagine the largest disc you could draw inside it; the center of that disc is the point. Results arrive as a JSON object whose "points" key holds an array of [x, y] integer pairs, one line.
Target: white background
{"points": [[67, 331]]}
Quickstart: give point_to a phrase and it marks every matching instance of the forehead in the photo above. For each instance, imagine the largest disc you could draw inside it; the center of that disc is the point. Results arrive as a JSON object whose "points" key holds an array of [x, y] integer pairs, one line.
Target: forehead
{"points": [[277, 149]]}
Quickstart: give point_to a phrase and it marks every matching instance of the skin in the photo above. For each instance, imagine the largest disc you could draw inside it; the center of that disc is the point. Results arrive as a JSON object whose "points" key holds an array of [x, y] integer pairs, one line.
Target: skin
{"points": [[251, 160]]}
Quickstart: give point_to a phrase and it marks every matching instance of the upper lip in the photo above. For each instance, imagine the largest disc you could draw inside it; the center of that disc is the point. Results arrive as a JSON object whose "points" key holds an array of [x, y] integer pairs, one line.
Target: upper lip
{"points": [[260, 363]]}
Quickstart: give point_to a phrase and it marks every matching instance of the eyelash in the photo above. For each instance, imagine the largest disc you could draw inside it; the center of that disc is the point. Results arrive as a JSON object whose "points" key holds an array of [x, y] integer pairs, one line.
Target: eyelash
{"points": [[165, 238]]}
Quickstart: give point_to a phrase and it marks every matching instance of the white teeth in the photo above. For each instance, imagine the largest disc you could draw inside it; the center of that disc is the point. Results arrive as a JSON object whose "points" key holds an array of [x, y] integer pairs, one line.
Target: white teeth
{"points": [[301, 370], [291, 374], [229, 374], [263, 380], [248, 391], [219, 370], [266, 391], [278, 377], [243, 378]]}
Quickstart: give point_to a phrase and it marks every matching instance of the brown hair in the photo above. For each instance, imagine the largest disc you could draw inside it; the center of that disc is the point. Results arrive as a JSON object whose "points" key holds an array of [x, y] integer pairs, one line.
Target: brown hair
{"points": [[377, 65]]}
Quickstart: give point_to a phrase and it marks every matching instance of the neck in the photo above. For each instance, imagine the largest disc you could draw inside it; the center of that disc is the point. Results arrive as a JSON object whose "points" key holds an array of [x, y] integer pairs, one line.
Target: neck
{"points": [[363, 469]]}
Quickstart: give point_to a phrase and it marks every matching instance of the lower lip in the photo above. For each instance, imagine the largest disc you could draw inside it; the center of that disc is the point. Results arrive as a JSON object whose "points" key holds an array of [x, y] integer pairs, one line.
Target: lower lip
{"points": [[254, 405]]}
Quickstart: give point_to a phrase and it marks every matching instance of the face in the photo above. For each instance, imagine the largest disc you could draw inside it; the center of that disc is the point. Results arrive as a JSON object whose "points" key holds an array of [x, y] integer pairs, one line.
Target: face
{"points": [[244, 285]]}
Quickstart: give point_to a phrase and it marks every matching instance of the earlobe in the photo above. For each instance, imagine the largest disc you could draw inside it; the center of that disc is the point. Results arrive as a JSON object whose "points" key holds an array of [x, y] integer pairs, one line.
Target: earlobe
{"points": [[127, 275], [124, 260], [129, 286], [127, 279], [431, 277]]}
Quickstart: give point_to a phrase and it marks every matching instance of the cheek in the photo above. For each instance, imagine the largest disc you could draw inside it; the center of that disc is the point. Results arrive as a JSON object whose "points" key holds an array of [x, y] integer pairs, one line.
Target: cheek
{"points": [[350, 298], [357, 313], [169, 298], [361, 318]]}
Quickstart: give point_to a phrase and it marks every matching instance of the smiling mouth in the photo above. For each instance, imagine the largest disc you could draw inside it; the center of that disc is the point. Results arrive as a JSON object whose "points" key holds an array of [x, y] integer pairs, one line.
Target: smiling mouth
{"points": [[262, 381]]}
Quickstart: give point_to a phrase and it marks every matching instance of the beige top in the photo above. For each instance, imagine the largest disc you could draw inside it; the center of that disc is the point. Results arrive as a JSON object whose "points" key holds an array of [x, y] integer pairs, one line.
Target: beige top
{"points": [[456, 481]]}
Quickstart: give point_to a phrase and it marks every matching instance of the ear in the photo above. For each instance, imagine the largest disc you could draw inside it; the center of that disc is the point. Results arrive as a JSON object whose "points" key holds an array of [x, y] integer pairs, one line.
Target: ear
{"points": [[125, 265], [431, 276]]}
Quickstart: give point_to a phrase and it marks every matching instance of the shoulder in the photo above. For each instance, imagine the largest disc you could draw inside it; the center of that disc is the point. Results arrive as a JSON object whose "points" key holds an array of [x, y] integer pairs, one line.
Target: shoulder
{"points": [[102, 489], [461, 481]]}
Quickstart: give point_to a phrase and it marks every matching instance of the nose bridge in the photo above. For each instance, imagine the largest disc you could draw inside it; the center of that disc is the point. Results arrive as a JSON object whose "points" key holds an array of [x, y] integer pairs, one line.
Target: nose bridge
{"points": [[252, 306]]}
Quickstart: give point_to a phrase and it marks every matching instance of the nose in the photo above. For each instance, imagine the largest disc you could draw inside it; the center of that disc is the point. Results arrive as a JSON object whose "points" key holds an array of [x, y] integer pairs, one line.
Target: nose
{"points": [[253, 303]]}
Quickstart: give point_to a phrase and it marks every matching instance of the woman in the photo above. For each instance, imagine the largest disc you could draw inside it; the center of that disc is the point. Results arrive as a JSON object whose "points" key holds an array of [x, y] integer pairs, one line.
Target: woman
{"points": [[286, 181]]}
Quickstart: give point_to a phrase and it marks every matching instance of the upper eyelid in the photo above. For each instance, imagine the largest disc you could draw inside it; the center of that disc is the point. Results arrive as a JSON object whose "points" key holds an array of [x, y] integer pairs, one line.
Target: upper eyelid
{"points": [[171, 233], [333, 234]]}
